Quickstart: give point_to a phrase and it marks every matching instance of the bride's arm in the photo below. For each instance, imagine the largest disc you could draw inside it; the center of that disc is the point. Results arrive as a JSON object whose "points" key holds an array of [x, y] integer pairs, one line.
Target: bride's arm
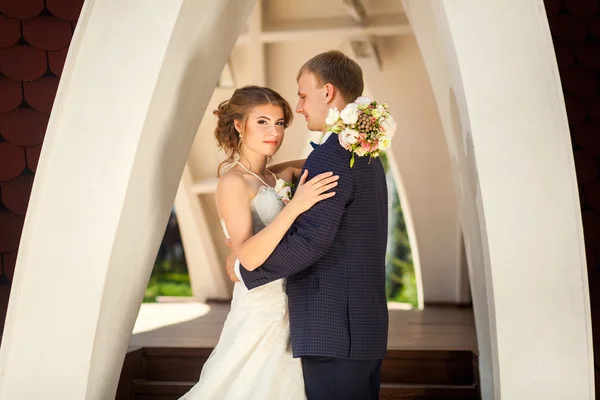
{"points": [[234, 208], [290, 169]]}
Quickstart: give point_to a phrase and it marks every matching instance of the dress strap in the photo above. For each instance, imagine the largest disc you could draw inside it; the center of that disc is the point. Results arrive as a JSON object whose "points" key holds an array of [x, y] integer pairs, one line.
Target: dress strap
{"points": [[274, 176], [256, 175]]}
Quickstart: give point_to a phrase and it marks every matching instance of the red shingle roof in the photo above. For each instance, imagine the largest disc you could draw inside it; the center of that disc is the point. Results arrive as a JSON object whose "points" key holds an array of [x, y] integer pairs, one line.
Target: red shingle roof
{"points": [[10, 31], [568, 27], [592, 195], [47, 32], [56, 59], [22, 8], [588, 54], [587, 135], [23, 62], [564, 54], [32, 154], [10, 234], [575, 109], [15, 193], [39, 94], [24, 126], [10, 260], [552, 6], [585, 8], [12, 161], [586, 167], [593, 25], [33, 46], [580, 81], [12, 94], [65, 9], [593, 107]]}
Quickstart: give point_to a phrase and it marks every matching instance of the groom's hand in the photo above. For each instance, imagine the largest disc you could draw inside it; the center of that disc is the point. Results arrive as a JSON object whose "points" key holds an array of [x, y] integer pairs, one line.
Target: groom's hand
{"points": [[230, 266]]}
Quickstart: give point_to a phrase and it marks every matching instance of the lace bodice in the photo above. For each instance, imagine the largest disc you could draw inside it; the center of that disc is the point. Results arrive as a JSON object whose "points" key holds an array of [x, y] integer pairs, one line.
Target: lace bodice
{"points": [[264, 207]]}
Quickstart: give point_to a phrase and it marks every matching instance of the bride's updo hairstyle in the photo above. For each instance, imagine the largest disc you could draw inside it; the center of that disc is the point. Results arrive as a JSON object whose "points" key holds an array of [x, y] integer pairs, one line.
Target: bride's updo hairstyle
{"points": [[237, 109]]}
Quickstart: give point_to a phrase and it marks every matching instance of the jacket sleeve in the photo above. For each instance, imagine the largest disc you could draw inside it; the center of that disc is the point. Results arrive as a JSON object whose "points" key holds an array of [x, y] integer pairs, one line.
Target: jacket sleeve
{"points": [[314, 231]]}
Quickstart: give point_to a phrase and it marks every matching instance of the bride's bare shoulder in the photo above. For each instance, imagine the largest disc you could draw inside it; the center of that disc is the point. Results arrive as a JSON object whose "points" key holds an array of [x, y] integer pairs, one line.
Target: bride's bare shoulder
{"points": [[232, 183]]}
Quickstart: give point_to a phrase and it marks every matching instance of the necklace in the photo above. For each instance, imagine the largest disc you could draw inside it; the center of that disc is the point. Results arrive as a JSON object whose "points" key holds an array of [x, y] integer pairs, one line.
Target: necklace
{"points": [[256, 175]]}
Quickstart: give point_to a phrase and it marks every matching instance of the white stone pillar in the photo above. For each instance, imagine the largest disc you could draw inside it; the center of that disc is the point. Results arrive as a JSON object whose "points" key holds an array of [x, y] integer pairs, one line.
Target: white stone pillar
{"points": [[495, 78], [137, 79]]}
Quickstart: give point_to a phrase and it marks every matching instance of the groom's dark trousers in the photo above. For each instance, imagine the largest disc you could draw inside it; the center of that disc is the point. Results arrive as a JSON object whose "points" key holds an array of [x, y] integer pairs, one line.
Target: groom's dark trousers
{"points": [[327, 378], [334, 259]]}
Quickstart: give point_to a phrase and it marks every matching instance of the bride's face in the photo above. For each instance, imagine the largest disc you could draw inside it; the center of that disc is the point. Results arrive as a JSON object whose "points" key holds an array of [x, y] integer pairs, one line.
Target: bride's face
{"points": [[264, 130]]}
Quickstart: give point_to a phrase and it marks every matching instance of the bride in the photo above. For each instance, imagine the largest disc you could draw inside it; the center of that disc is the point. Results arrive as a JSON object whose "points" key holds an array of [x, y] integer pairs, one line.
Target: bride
{"points": [[253, 359]]}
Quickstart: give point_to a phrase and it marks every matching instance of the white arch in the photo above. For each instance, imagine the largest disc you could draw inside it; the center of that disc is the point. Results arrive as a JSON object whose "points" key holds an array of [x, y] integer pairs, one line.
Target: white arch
{"points": [[137, 79], [495, 79]]}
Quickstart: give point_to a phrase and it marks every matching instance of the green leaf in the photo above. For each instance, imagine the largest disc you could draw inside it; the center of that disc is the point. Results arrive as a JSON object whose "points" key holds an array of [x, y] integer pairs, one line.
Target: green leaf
{"points": [[352, 160]]}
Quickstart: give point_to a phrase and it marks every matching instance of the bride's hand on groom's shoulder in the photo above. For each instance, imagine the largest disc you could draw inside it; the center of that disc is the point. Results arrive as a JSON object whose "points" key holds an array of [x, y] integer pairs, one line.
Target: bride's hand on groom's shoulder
{"points": [[313, 191]]}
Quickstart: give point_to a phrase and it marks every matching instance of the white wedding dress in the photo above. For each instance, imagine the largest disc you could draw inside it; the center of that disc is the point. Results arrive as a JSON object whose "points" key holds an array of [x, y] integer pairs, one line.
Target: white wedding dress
{"points": [[253, 359]]}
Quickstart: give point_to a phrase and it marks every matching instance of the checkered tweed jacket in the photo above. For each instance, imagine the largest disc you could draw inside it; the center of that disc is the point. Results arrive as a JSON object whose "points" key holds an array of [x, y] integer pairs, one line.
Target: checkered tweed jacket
{"points": [[334, 259]]}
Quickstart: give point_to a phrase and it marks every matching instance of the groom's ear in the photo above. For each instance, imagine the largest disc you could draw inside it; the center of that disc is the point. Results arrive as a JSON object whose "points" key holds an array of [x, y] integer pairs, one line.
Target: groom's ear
{"points": [[329, 92]]}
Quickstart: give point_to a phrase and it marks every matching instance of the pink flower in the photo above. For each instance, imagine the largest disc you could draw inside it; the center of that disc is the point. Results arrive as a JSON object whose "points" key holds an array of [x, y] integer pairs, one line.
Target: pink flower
{"points": [[285, 194], [344, 144], [348, 137]]}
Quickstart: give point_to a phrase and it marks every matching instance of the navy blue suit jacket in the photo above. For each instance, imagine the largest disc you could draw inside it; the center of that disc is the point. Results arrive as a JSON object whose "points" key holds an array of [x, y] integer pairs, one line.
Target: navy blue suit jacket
{"points": [[334, 259]]}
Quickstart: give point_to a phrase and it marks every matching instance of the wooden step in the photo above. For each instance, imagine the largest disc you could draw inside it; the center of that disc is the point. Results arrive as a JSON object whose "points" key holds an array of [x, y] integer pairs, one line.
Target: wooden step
{"points": [[168, 373], [160, 390], [142, 386], [434, 367], [390, 391], [429, 367]]}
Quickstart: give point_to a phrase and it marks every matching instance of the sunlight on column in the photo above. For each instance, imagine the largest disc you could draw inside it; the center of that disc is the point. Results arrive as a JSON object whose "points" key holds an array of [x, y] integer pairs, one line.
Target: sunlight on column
{"points": [[158, 315]]}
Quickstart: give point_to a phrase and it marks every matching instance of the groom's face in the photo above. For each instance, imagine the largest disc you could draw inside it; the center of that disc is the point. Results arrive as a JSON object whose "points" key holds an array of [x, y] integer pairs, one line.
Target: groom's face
{"points": [[312, 102]]}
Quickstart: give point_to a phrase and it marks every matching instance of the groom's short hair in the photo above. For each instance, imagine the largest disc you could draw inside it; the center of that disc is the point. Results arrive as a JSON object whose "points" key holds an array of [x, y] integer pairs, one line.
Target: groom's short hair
{"points": [[338, 69]]}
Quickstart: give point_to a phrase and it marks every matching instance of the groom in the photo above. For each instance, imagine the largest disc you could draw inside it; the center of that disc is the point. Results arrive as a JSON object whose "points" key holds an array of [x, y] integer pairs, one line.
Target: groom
{"points": [[334, 255]]}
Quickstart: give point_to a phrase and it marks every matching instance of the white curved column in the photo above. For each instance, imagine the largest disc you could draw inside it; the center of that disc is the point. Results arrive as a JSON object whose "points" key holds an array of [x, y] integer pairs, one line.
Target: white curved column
{"points": [[136, 82], [494, 75]]}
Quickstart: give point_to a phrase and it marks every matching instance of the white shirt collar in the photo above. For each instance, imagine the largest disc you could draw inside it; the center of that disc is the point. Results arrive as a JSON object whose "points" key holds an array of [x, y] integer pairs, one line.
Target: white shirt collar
{"points": [[325, 137]]}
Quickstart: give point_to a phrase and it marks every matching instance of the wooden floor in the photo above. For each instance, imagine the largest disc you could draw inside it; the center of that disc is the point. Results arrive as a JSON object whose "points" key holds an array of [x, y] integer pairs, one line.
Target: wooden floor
{"points": [[432, 354], [198, 325]]}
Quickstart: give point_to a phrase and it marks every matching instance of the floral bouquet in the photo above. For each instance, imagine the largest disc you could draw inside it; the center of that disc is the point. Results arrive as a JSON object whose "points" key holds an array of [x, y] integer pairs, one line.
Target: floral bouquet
{"points": [[364, 127], [284, 190]]}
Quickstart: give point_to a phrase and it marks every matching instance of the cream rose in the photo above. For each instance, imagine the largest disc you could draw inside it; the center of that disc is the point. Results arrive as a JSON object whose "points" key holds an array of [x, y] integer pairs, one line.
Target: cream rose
{"points": [[384, 142], [280, 184], [349, 136], [361, 151], [350, 114], [389, 125], [333, 116], [363, 100]]}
